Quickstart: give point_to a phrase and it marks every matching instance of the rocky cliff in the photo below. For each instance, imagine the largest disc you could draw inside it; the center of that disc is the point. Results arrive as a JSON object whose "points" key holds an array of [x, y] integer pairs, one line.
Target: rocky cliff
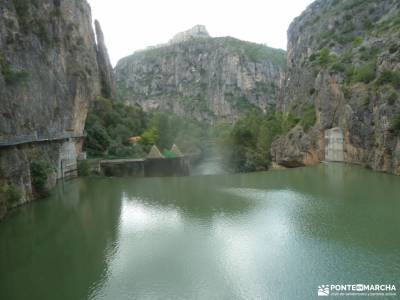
{"points": [[49, 73], [343, 72], [210, 79], [105, 67]]}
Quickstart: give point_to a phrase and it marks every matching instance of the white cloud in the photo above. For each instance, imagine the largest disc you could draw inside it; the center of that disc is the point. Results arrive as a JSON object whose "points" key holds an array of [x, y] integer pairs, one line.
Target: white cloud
{"points": [[131, 25]]}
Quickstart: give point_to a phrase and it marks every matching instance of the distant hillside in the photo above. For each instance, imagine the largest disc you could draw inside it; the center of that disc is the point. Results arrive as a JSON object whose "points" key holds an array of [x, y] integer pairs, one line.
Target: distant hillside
{"points": [[208, 78]]}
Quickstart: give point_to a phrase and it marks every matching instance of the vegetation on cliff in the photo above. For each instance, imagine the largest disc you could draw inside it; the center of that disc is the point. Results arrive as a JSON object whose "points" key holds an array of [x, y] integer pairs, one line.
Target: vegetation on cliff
{"points": [[247, 144], [40, 171], [343, 60], [10, 192], [110, 124], [208, 79]]}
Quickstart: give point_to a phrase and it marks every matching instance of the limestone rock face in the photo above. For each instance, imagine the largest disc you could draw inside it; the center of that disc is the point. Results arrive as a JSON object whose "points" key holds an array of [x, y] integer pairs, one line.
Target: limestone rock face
{"points": [[209, 79], [48, 67], [105, 67], [48, 75], [198, 31], [343, 58]]}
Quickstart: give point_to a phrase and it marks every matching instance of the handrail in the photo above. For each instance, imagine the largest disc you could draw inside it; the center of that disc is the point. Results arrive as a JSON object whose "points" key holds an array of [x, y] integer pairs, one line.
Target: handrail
{"points": [[37, 138]]}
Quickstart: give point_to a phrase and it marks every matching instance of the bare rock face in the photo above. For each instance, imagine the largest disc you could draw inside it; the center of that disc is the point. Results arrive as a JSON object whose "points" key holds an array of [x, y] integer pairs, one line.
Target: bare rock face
{"points": [[297, 149], [48, 75], [209, 79], [105, 68], [198, 31], [344, 60], [49, 67]]}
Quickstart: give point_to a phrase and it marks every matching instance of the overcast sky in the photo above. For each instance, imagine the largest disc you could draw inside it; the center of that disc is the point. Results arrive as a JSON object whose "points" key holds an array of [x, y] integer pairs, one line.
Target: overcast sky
{"points": [[131, 25]]}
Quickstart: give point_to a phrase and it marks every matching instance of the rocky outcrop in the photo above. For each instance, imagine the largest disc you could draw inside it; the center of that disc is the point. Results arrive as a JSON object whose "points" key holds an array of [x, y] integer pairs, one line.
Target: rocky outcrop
{"points": [[343, 60], [198, 31], [210, 79], [48, 75], [105, 67]]}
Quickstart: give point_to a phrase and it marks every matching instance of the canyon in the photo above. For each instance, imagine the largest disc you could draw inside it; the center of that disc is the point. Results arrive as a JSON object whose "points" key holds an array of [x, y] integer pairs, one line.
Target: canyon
{"points": [[341, 69]]}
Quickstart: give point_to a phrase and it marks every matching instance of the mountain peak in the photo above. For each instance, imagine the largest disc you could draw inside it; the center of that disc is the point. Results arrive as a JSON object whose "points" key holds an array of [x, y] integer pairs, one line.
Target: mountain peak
{"points": [[198, 31]]}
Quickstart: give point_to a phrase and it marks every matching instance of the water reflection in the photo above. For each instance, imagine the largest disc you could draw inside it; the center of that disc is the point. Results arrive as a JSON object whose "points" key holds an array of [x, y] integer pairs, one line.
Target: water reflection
{"points": [[243, 236], [138, 216], [58, 244]]}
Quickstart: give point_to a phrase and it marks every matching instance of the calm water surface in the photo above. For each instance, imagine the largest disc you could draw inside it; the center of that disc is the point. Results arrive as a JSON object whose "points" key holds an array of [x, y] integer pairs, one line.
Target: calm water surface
{"points": [[272, 235]]}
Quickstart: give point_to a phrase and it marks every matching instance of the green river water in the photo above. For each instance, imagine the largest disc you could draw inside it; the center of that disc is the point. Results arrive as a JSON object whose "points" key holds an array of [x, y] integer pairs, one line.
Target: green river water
{"points": [[268, 235]]}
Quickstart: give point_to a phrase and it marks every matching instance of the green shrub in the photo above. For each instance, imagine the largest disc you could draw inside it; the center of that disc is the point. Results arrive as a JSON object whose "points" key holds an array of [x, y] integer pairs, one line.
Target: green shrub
{"points": [[368, 25], [387, 77], [365, 73], [255, 52], [56, 13], [289, 121], [83, 168], [346, 57], [313, 57], [40, 170], [392, 98], [12, 193], [110, 124], [324, 57], [357, 41], [121, 151], [396, 125], [150, 136], [368, 54], [11, 77], [23, 13], [393, 48], [248, 144], [98, 140], [338, 67], [309, 117]]}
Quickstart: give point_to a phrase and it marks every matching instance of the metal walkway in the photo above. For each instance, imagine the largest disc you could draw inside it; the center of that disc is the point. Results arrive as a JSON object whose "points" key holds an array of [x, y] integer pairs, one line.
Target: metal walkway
{"points": [[38, 138]]}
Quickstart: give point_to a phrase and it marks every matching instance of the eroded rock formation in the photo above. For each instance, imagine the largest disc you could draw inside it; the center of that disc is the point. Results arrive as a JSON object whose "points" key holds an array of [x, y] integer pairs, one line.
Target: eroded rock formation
{"points": [[343, 59], [105, 68], [210, 79]]}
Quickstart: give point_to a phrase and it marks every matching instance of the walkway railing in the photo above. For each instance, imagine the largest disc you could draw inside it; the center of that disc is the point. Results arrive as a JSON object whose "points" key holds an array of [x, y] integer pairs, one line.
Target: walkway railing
{"points": [[37, 138]]}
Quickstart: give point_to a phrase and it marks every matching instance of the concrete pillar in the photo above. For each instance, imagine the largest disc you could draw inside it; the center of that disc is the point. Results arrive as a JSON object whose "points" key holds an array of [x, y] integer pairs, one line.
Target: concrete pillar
{"points": [[334, 140], [68, 160]]}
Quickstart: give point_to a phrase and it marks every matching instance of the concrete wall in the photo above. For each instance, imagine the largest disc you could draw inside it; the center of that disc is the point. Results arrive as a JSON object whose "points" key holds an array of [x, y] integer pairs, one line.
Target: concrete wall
{"points": [[334, 141], [122, 168], [67, 163], [157, 167]]}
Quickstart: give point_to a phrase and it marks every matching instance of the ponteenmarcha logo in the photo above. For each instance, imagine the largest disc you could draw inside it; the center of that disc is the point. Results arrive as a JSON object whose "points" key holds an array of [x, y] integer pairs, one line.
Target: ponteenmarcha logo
{"points": [[385, 290], [323, 290]]}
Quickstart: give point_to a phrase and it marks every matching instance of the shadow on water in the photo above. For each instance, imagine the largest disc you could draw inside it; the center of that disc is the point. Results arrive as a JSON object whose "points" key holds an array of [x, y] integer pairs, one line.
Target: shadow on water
{"points": [[56, 248]]}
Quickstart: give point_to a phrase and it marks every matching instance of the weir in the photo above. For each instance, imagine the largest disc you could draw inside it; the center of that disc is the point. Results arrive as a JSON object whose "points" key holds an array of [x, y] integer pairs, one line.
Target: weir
{"points": [[334, 140], [149, 167]]}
